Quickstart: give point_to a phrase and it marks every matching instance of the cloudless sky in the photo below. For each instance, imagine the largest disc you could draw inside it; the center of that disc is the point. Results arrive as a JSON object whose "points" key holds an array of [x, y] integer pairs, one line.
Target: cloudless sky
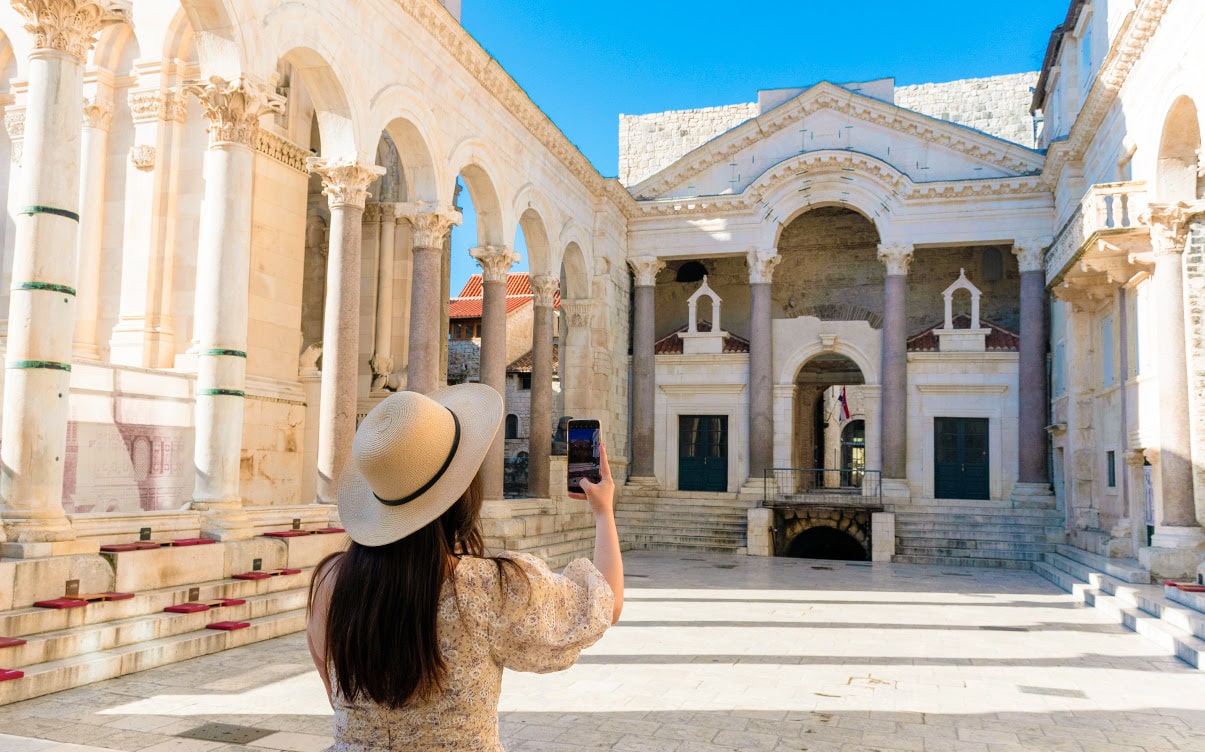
{"points": [[584, 63]]}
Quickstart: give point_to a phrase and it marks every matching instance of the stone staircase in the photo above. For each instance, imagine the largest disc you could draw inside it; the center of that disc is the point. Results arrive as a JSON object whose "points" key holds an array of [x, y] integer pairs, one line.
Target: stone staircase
{"points": [[712, 522], [1172, 618], [975, 533], [61, 648]]}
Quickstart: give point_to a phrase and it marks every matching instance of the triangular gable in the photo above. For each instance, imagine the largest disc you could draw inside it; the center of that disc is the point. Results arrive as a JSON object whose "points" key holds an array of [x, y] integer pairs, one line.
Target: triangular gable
{"points": [[922, 147]]}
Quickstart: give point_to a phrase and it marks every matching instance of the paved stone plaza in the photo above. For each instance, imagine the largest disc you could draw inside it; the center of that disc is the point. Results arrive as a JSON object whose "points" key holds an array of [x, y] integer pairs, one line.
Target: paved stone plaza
{"points": [[722, 653]]}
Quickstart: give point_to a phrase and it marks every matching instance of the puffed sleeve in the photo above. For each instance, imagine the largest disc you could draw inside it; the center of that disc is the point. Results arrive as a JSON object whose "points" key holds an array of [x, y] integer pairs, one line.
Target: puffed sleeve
{"points": [[544, 619]]}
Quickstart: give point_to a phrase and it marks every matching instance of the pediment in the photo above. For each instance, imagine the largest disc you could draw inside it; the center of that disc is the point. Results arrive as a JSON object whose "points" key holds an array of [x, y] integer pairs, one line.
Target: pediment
{"points": [[830, 118]]}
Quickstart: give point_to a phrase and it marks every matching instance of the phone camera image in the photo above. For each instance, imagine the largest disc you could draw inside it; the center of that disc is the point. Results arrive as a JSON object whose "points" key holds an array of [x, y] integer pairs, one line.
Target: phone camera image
{"points": [[583, 448]]}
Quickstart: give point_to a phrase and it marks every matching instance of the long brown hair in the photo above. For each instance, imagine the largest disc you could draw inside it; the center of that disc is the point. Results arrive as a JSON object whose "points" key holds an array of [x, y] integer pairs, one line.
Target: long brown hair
{"points": [[382, 620]]}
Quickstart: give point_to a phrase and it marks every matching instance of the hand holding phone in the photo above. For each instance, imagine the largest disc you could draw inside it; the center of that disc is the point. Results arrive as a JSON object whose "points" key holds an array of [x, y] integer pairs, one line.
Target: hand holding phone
{"points": [[584, 448]]}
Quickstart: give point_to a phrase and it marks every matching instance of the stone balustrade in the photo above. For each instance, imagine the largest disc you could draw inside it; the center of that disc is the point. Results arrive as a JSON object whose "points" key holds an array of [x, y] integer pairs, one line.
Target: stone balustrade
{"points": [[1107, 208]]}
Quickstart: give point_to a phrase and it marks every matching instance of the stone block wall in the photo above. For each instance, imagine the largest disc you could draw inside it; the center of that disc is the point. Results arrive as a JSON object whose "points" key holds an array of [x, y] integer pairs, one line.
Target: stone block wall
{"points": [[650, 143], [464, 359], [998, 105]]}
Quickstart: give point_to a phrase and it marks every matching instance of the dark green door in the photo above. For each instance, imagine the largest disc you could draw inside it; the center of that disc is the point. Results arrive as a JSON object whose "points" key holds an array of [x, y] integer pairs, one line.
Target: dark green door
{"points": [[960, 459], [703, 453]]}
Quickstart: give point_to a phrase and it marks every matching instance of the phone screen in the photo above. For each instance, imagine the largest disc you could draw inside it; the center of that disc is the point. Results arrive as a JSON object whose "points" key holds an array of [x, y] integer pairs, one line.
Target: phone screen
{"points": [[584, 441]]}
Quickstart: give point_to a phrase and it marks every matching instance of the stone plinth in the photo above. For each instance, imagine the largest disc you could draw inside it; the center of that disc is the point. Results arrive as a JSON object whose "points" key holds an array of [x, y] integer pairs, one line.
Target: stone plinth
{"points": [[962, 340], [760, 536], [25, 581], [882, 536], [136, 571]]}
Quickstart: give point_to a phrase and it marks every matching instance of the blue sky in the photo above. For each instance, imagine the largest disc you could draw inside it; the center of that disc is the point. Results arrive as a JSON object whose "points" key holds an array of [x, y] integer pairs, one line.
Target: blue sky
{"points": [[584, 63]]}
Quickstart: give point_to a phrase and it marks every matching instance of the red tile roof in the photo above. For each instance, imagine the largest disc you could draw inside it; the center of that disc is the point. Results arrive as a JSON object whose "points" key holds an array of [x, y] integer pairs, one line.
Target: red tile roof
{"points": [[467, 305], [999, 339], [671, 344], [523, 363]]}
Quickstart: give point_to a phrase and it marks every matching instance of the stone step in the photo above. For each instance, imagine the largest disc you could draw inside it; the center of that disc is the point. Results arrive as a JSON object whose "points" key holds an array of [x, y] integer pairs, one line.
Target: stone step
{"points": [[22, 622], [956, 533], [673, 536], [77, 671], [696, 523], [1017, 517], [1125, 570], [903, 542], [1194, 601], [959, 561], [971, 553], [58, 645], [682, 499], [1141, 608], [671, 511], [688, 547]]}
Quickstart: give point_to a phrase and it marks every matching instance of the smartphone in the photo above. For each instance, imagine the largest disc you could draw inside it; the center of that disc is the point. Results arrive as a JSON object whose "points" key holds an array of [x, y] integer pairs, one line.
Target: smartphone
{"points": [[585, 439]]}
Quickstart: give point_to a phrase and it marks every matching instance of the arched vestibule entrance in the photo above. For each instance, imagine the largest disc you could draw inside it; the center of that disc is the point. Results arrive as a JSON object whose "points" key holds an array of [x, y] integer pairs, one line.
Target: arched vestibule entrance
{"points": [[823, 533]]}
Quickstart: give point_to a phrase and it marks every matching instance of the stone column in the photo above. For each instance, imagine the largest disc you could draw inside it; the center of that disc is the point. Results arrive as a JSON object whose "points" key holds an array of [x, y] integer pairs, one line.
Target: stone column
{"points": [[761, 381], [577, 367], [644, 387], [33, 440], [1031, 381], [98, 116], [896, 257], [539, 441], [1177, 525], [495, 262], [428, 229], [14, 123], [233, 109], [382, 355], [345, 184]]}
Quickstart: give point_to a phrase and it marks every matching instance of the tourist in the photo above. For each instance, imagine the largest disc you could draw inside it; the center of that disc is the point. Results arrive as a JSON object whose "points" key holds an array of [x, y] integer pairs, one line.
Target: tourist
{"points": [[411, 627]]}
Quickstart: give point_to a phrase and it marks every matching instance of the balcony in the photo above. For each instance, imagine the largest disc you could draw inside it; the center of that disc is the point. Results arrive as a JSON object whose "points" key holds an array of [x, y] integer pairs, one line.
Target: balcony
{"points": [[1108, 212]]}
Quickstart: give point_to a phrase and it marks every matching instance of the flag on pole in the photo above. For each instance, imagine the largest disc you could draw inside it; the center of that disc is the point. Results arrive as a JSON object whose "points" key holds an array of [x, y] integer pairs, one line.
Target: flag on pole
{"points": [[844, 405]]}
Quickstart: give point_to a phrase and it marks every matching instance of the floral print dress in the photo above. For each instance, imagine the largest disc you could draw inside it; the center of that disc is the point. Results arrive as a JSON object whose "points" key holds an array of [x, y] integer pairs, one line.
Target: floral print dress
{"points": [[536, 621]]}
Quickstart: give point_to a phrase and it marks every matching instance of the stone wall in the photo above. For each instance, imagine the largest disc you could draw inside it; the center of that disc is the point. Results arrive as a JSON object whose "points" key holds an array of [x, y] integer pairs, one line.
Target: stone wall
{"points": [[464, 359], [998, 105], [649, 143]]}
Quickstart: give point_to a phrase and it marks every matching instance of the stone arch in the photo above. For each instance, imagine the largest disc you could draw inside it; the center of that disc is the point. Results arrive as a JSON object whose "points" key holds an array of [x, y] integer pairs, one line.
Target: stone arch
{"points": [[575, 276], [420, 178], [1177, 171], [470, 160], [853, 524], [794, 363], [118, 42], [8, 64], [179, 40], [222, 49], [539, 252]]}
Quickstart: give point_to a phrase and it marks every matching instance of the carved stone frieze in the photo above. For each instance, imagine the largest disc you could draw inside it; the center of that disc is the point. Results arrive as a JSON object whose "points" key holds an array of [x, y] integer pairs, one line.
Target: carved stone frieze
{"points": [[234, 108], [14, 123], [1031, 253], [495, 261], [98, 114], [157, 104], [344, 181], [897, 257], [142, 156], [761, 265], [645, 268], [282, 150], [70, 26], [545, 287]]}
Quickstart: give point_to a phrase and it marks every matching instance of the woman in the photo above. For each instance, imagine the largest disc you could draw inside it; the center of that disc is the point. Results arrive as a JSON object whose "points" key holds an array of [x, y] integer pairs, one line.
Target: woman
{"points": [[411, 627]]}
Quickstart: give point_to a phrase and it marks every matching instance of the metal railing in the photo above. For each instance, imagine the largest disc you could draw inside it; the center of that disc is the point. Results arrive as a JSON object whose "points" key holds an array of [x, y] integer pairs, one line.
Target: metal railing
{"points": [[799, 485]]}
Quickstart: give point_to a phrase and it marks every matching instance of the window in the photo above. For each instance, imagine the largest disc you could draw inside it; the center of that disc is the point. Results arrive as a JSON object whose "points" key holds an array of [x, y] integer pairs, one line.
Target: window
{"points": [[524, 381], [1111, 468], [512, 426], [1085, 57]]}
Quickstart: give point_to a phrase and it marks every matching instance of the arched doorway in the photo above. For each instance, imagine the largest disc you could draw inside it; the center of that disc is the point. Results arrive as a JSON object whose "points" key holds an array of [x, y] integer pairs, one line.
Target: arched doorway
{"points": [[829, 410], [823, 542], [853, 452]]}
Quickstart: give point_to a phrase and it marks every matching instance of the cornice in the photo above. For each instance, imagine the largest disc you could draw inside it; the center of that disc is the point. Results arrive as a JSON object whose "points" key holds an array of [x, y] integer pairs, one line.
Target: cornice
{"points": [[1127, 47], [826, 96]]}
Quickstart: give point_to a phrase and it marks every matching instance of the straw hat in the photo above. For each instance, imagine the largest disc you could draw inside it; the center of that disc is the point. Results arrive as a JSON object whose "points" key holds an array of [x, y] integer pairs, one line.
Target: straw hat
{"points": [[412, 458]]}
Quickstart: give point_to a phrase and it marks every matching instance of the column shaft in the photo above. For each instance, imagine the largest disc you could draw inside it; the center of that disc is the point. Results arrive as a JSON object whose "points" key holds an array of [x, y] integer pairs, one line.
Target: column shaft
{"points": [[423, 369], [895, 377], [382, 359], [643, 384], [91, 231], [761, 396], [493, 373], [539, 441], [1034, 400], [1175, 457]]}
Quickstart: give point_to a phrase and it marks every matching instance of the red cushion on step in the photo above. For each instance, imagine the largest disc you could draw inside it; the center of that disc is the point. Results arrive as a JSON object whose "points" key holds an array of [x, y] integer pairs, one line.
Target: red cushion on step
{"points": [[62, 603], [8, 674], [288, 571], [11, 642], [228, 626], [228, 602], [287, 533], [191, 542], [187, 608], [1170, 583], [252, 576], [329, 530], [1188, 587]]}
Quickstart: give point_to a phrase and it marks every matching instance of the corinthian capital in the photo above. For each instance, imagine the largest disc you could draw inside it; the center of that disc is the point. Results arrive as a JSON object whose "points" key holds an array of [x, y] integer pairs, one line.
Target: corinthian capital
{"points": [[235, 107], [762, 265], [429, 224], [1031, 253], [544, 287], [578, 313], [98, 114], [896, 257], [344, 181], [1169, 226], [645, 268], [14, 123], [495, 261], [70, 26]]}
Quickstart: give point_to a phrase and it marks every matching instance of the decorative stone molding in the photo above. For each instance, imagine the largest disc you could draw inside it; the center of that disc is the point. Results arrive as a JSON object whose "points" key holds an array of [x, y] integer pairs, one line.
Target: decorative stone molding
{"points": [[234, 108], [70, 26], [282, 150], [495, 261], [374, 213], [429, 225], [147, 105], [14, 123], [761, 265], [545, 287], [1031, 253], [1169, 226], [98, 114], [897, 257], [142, 157], [645, 268], [578, 313], [344, 181]]}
